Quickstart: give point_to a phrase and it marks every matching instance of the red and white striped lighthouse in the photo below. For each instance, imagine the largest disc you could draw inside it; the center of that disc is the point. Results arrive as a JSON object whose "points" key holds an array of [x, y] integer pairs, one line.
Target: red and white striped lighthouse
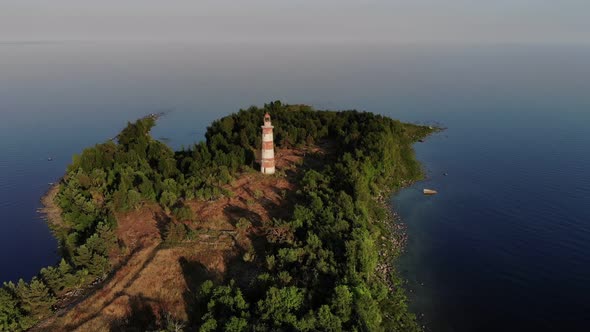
{"points": [[267, 162]]}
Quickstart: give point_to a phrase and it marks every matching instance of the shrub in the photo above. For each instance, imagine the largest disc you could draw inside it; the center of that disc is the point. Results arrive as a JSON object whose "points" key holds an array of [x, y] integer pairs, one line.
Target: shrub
{"points": [[243, 224], [175, 233], [183, 213]]}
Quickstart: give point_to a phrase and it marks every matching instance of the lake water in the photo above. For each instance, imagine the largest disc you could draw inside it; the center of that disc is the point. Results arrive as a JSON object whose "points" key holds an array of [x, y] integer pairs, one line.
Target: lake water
{"points": [[504, 246]]}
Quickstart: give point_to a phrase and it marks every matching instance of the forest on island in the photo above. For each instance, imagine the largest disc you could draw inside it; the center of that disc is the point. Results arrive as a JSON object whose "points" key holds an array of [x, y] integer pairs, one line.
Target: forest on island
{"points": [[319, 274]]}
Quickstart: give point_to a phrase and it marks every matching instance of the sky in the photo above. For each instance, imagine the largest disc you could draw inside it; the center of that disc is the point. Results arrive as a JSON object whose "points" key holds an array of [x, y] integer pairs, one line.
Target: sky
{"points": [[322, 21]]}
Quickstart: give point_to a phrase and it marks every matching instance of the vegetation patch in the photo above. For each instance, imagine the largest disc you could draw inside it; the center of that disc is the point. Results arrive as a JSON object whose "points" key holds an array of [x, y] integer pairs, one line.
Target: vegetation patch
{"points": [[302, 250]]}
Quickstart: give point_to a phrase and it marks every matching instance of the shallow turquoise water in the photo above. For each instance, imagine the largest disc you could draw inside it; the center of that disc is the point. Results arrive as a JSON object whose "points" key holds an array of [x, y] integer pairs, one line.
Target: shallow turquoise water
{"points": [[505, 244]]}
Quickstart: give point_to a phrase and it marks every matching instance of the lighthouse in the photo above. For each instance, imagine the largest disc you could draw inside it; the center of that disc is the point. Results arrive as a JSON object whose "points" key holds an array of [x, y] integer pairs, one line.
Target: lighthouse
{"points": [[267, 162]]}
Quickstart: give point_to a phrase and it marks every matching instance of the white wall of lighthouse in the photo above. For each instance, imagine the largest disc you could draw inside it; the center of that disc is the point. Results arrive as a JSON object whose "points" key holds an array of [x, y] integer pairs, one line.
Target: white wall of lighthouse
{"points": [[267, 137]]}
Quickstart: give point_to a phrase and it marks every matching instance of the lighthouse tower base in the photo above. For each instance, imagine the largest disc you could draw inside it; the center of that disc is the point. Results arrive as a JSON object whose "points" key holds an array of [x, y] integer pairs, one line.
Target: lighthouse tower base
{"points": [[267, 170]]}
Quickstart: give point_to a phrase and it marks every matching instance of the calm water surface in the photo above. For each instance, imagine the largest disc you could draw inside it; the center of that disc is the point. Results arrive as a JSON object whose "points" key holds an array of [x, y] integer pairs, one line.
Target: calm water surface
{"points": [[504, 246]]}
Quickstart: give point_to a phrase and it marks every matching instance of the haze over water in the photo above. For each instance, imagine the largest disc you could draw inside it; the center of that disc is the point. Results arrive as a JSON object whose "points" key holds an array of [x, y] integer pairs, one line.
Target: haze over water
{"points": [[504, 246]]}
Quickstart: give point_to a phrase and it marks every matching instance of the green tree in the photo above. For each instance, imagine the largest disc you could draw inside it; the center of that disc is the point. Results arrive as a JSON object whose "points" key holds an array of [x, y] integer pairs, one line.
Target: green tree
{"points": [[226, 307], [83, 256], [367, 309], [183, 213], [281, 305], [96, 244], [99, 265], [168, 199], [342, 302], [327, 321], [34, 298], [236, 324], [10, 314], [53, 278], [107, 236], [133, 199], [175, 233]]}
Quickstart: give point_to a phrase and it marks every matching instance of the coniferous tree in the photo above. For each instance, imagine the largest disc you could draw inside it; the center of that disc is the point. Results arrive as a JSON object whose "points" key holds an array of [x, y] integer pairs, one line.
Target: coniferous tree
{"points": [[53, 278], [34, 298], [10, 314], [83, 256]]}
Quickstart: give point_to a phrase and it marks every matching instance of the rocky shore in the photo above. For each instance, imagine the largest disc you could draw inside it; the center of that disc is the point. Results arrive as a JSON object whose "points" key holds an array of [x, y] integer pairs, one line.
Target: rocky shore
{"points": [[51, 212]]}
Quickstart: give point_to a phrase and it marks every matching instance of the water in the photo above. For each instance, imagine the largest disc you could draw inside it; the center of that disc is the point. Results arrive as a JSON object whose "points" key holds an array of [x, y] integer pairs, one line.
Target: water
{"points": [[504, 246]]}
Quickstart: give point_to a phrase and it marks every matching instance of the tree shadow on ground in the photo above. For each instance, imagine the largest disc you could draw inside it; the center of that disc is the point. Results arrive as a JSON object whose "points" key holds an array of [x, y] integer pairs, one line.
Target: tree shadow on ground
{"points": [[140, 318], [162, 222], [245, 272], [195, 274], [234, 213]]}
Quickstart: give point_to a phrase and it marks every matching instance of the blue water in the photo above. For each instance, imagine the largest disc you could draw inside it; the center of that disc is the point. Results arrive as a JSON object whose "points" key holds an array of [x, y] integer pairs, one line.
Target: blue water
{"points": [[504, 246]]}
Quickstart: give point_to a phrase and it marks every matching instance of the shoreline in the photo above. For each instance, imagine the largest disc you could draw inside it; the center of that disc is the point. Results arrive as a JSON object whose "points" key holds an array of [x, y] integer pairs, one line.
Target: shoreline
{"points": [[50, 211], [392, 245], [398, 224]]}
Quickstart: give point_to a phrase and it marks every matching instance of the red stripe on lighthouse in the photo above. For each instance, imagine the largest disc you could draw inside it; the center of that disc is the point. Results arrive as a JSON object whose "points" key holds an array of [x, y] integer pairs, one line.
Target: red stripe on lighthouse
{"points": [[268, 163]]}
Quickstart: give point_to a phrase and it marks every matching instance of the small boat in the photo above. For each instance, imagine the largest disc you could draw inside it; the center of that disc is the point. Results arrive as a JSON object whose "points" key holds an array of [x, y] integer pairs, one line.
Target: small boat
{"points": [[430, 192], [50, 159]]}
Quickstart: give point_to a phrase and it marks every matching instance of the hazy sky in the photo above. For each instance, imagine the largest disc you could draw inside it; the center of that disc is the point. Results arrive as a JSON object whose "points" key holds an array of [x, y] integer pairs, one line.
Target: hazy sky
{"points": [[391, 21]]}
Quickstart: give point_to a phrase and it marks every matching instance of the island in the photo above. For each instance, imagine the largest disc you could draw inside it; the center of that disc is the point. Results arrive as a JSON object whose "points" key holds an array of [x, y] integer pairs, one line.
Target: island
{"points": [[219, 237]]}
